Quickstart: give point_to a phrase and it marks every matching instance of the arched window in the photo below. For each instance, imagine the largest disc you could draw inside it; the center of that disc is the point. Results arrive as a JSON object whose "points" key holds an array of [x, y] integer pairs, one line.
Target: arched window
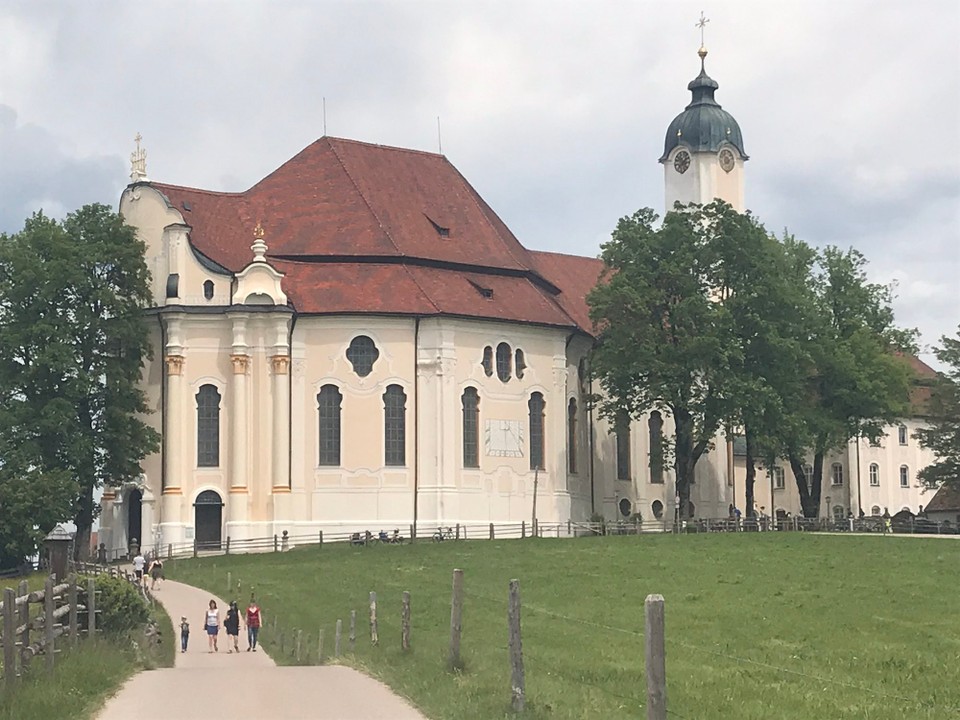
{"points": [[208, 289], [395, 425], [657, 508], [503, 362], [329, 402], [838, 513], [625, 507], [520, 363], [902, 434], [655, 425], [779, 478], [622, 430], [875, 510], [836, 474], [904, 476], [874, 475], [362, 354], [572, 435], [536, 407], [471, 427], [208, 426], [488, 360]]}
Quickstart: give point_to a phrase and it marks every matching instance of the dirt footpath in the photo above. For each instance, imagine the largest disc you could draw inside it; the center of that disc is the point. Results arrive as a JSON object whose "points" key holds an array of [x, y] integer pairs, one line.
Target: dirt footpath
{"points": [[244, 685]]}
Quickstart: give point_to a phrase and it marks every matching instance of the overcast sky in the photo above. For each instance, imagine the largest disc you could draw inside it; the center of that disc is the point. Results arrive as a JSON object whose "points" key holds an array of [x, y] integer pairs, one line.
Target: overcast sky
{"points": [[555, 111]]}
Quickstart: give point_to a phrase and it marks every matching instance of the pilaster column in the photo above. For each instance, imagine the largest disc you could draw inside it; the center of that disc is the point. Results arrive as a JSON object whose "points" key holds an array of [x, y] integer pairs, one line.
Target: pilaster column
{"points": [[281, 423], [173, 422], [238, 424]]}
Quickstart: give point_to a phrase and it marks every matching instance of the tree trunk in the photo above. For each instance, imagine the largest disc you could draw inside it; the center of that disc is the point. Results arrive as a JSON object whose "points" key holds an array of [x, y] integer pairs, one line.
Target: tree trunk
{"points": [[751, 475], [809, 498], [84, 523]]}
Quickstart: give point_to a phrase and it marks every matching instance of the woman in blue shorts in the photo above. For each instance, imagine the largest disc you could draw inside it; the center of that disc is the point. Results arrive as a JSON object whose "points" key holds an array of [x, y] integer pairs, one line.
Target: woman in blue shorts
{"points": [[211, 623]]}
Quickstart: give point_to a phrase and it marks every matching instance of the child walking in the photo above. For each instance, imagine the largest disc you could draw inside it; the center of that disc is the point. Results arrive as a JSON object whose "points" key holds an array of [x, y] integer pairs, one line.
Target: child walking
{"points": [[184, 634]]}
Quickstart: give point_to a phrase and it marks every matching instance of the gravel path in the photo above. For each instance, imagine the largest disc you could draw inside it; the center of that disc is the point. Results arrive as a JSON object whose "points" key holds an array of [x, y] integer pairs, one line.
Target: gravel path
{"points": [[244, 685]]}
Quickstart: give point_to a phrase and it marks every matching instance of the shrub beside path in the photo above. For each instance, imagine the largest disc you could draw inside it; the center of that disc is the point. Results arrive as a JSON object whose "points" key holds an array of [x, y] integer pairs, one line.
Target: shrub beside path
{"points": [[244, 685]]}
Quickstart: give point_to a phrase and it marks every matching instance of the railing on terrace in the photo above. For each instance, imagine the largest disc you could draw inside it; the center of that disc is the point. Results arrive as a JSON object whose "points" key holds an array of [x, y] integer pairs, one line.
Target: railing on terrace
{"points": [[568, 529]]}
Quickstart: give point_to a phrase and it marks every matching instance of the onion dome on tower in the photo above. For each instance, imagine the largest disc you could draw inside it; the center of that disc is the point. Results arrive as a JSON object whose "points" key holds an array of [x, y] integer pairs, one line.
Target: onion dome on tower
{"points": [[703, 126]]}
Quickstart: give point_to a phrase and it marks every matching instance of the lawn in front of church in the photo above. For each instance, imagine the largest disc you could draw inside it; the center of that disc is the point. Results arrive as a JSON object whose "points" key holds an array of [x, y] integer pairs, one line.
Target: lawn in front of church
{"points": [[771, 625]]}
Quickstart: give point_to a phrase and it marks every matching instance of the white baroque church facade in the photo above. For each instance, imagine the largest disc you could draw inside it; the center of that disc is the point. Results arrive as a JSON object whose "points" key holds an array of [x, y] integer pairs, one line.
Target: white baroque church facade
{"points": [[359, 342]]}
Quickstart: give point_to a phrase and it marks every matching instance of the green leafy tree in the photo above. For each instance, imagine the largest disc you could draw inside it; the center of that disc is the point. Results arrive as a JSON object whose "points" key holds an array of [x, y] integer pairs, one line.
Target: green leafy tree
{"points": [[943, 434], [667, 339], [853, 383], [73, 338]]}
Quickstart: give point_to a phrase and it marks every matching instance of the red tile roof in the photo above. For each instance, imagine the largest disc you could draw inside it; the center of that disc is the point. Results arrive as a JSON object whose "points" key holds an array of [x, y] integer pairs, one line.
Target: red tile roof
{"points": [[372, 229]]}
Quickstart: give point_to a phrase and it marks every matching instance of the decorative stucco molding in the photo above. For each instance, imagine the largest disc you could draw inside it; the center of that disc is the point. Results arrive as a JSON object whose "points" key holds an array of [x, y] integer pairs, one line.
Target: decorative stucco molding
{"points": [[241, 363], [174, 364], [281, 364]]}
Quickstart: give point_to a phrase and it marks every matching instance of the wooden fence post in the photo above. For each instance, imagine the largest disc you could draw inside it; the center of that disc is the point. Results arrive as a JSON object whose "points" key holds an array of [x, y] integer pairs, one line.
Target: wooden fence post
{"points": [[276, 541], [413, 533], [321, 538], [73, 609], [405, 621], [517, 692], [194, 547], [655, 658], [491, 531], [91, 607], [569, 527], [374, 637], [523, 529], [457, 536], [9, 641], [227, 548], [353, 629], [48, 623], [169, 551], [229, 584], [337, 638], [456, 621], [320, 647], [299, 638], [24, 620]]}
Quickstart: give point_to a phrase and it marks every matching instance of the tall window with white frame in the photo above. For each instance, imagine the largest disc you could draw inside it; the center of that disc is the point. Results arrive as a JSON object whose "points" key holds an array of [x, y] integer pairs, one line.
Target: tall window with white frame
{"points": [[329, 402], [395, 426], [808, 477], [655, 426], [208, 426], [536, 406], [572, 436], [874, 475], [904, 476], [836, 474], [471, 427], [503, 362], [779, 478], [622, 430], [902, 434]]}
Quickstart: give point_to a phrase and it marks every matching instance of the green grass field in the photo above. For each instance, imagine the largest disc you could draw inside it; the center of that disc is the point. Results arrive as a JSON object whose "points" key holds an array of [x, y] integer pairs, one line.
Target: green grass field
{"points": [[790, 626]]}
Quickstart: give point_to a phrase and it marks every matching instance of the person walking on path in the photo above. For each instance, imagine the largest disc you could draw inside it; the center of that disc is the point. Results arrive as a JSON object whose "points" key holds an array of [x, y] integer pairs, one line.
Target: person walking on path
{"points": [[138, 564], [184, 633], [211, 622], [253, 624], [156, 573], [232, 624]]}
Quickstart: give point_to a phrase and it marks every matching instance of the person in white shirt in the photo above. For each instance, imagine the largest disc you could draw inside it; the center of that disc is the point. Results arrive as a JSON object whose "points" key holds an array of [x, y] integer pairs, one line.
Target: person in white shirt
{"points": [[138, 563]]}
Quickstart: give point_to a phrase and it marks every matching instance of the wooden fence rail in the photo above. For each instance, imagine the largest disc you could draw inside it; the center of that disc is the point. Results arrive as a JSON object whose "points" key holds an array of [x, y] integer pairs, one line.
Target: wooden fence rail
{"points": [[60, 616]]}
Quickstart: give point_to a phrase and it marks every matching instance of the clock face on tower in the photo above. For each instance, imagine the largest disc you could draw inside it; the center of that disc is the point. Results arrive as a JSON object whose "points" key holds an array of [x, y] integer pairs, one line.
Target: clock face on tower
{"points": [[727, 161], [681, 162]]}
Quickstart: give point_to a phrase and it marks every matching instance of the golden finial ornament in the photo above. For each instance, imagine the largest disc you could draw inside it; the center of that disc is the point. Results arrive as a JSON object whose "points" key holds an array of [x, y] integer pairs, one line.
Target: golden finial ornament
{"points": [[258, 232]]}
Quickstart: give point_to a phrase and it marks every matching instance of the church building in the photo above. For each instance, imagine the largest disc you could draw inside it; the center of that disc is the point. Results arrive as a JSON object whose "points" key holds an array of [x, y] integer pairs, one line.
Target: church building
{"points": [[358, 341]]}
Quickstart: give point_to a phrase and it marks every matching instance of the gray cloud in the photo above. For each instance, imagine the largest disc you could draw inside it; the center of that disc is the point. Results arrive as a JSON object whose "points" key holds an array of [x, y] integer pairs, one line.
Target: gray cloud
{"points": [[555, 111]]}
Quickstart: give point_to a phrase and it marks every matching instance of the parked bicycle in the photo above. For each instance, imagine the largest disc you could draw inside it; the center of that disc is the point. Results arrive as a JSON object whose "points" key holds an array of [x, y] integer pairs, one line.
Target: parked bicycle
{"points": [[443, 534]]}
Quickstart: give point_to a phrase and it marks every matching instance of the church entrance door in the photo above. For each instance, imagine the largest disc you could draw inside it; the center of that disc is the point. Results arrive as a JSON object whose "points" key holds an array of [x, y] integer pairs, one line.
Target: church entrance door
{"points": [[135, 517], [208, 520]]}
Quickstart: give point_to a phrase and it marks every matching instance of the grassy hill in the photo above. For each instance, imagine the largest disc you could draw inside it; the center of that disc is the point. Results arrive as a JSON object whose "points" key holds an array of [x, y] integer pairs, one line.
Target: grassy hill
{"points": [[785, 625]]}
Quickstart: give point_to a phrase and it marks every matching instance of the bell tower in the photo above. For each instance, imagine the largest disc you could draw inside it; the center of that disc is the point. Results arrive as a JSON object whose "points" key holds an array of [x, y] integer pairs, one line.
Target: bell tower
{"points": [[703, 152]]}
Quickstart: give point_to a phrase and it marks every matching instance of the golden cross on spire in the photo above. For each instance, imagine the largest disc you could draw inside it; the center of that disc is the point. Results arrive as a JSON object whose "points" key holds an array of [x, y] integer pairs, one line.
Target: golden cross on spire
{"points": [[702, 24]]}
